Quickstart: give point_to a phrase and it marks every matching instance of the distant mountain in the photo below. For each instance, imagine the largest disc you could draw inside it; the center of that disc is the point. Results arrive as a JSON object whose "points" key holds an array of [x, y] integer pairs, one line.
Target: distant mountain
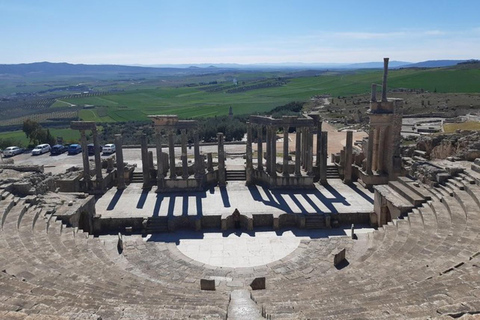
{"points": [[376, 65], [434, 64], [38, 69]]}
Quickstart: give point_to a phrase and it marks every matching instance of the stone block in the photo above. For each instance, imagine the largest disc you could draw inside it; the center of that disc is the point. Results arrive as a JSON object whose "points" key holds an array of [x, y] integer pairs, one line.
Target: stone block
{"points": [[339, 257], [258, 283], [206, 284]]}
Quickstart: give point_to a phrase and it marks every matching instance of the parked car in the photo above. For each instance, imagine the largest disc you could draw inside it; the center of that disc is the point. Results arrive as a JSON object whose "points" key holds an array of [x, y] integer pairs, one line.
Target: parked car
{"points": [[58, 149], [109, 148], [41, 149], [12, 151], [74, 149], [91, 149]]}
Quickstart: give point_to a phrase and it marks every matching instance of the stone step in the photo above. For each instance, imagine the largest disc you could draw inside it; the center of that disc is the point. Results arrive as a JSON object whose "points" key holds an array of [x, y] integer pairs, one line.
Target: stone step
{"points": [[415, 187], [468, 179], [236, 175], [405, 191], [156, 225]]}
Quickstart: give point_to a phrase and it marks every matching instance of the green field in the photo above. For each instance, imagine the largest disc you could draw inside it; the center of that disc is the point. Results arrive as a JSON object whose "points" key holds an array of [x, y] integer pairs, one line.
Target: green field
{"points": [[19, 138], [194, 101]]}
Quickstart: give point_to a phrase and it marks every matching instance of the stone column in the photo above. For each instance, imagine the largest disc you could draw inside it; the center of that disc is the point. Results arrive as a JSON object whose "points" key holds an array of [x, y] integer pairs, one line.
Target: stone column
{"points": [[98, 159], [374, 93], [222, 181], [323, 158], [385, 74], [298, 147], [371, 137], [160, 173], [319, 143], [309, 147], [375, 150], [268, 154], [145, 161], [184, 154], [120, 164], [381, 150], [285, 151], [199, 170], [347, 172], [171, 153], [304, 147], [273, 151], [249, 164], [259, 148], [86, 164], [209, 162]]}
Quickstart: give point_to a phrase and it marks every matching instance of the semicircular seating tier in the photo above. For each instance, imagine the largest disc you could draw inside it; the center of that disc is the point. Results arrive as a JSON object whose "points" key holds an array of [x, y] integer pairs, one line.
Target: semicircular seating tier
{"points": [[423, 264]]}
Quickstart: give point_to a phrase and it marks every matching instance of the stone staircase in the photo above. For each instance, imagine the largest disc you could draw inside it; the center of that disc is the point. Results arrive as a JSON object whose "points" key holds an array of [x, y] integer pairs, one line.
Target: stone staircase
{"points": [[315, 221], [236, 175], [332, 172], [156, 225], [137, 177]]}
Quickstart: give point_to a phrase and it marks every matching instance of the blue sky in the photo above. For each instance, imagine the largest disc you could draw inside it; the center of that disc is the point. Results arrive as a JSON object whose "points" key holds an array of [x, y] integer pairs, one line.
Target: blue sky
{"points": [[202, 31]]}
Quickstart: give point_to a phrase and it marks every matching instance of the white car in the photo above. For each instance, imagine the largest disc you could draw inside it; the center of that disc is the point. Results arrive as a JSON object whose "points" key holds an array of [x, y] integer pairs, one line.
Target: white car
{"points": [[11, 151], [41, 149], [108, 148]]}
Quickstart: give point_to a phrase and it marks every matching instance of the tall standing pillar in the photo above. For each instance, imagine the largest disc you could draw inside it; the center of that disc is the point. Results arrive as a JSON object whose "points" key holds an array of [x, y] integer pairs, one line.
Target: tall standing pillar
{"points": [[375, 149], [209, 162], [222, 179], [98, 159], [385, 75], [304, 148], [145, 161], [347, 178], [319, 143], [309, 147], [171, 154], [381, 150], [160, 173], [298, 147], [259, 148], [268, 154], [273, 151], [249, 164], [371, 137], [285, 151], [323, 158], [184, 155], [199, 168], [373, 97], [120, 164], [86, 164]]}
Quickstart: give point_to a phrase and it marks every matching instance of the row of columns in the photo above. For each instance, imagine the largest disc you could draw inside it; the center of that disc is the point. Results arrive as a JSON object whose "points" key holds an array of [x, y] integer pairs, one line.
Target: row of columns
{"points": [[171, 158], [98, 160], [303, 150]]}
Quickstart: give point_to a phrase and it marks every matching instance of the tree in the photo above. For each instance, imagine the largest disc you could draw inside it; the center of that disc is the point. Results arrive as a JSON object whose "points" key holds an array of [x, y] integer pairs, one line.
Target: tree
{"points": [[30, 127]]}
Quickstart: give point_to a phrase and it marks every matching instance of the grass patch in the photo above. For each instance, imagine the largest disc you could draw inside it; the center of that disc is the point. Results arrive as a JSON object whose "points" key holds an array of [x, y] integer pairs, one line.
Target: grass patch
{"points": [[18, 137], [468, 125]]}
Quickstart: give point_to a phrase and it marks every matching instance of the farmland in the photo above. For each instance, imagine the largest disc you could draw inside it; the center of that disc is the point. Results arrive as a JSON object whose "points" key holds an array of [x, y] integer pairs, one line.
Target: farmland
{"points": [[196, 101], [56, 100]]}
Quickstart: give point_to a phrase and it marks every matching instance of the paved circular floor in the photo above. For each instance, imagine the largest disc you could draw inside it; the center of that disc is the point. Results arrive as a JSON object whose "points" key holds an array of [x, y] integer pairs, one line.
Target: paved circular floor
{"points": [[240, 249]]}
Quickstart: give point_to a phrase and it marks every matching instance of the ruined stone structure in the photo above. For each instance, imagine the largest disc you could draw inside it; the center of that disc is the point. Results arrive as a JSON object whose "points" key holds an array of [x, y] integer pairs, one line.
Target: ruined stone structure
{"points": [[98, 183], [290, 173], [174, 180], [383, 161]]}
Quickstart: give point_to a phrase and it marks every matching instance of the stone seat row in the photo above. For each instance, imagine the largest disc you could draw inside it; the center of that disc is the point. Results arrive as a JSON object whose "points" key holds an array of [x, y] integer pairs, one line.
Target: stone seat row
{"points": [[75, 269], [382, 276]]}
